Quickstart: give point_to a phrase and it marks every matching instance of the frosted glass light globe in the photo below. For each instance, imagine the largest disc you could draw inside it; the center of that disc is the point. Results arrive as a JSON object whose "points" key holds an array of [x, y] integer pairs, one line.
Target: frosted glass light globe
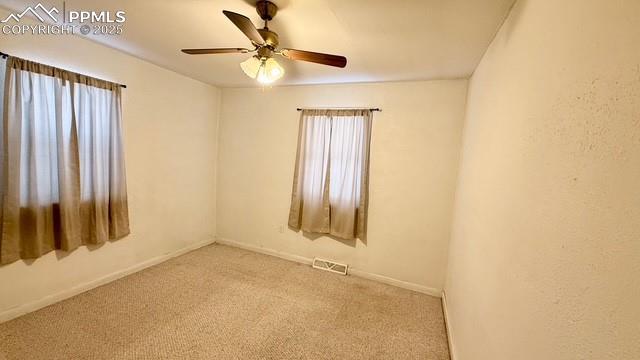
{"points": [[266, 71], [251, 66]]}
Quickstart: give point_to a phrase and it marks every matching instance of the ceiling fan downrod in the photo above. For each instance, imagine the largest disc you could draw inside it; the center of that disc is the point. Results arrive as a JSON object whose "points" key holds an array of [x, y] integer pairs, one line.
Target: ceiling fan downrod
{"points": [[267, 11]]}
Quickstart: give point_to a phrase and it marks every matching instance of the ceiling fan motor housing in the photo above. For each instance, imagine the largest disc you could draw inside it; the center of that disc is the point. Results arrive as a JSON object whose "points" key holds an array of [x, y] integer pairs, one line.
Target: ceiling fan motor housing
{"points": [[266, 9], [270, 37]]}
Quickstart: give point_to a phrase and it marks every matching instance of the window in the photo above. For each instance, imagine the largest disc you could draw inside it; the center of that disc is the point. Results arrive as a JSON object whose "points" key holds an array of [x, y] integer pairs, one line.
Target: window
{"points": [[64, 180], [330, 186]]}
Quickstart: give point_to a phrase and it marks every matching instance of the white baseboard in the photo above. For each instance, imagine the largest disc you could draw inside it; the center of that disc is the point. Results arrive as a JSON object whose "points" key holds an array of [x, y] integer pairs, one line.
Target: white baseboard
{"points": [[452, 351], [266, 251], [73, 291], [395, 282], [352, 271]]}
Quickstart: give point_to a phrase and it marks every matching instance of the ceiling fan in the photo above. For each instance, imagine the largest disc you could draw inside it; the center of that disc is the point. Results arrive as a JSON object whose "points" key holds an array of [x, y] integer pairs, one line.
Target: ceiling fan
{"points": [[262, 66]]}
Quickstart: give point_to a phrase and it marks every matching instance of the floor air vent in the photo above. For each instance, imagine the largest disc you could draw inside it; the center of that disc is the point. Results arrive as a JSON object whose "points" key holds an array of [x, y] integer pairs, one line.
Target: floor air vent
{"points": [[327, 265]]}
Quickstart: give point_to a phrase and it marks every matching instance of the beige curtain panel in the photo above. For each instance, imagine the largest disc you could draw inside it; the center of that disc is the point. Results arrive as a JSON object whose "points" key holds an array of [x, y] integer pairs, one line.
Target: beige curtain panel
{"points": [[330, 185], [63, 174]]}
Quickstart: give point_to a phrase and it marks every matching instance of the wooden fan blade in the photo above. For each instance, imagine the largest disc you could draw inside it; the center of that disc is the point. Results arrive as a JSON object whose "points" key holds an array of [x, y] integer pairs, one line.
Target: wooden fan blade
{"points": [[214, 51], [319, 58], [246, 26]]}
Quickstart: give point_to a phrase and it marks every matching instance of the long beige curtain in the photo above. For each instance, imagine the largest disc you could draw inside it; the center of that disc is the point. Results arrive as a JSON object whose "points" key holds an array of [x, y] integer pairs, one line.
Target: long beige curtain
{"points": [[330, 185], [63, 175]]}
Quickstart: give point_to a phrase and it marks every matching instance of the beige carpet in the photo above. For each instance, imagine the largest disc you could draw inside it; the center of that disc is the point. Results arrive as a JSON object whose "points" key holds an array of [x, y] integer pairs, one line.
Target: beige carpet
{"points": [[220, 302]]}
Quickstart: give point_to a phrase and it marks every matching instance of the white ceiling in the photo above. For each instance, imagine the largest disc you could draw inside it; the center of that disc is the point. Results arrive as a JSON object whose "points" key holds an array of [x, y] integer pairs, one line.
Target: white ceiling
{"points": [[383, 40]]}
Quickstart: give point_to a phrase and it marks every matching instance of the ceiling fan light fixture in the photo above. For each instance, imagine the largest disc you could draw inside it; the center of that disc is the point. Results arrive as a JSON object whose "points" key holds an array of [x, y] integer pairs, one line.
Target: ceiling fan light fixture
{"points": [[263, 78], [251, 66], [266, 71], [272, 71]]}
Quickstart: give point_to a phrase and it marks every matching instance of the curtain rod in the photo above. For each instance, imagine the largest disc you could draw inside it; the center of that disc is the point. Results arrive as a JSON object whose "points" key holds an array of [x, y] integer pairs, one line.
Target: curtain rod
{"points": [[344, 108], [5, 55]]}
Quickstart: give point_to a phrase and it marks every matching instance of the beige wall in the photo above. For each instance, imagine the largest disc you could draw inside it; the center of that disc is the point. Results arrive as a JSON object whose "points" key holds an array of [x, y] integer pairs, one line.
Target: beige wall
{"points": [[545, 253], [414, 156], [170, 129]]}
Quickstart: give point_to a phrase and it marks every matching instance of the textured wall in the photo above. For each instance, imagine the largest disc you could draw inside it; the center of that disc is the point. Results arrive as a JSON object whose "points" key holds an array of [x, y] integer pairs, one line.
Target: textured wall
{"points": [[414, 156], [545, 254], [170, 131]]}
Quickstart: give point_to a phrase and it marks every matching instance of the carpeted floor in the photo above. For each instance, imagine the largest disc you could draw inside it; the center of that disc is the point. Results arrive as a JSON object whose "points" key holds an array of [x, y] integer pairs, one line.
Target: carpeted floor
{"points": [[220, 302]]}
